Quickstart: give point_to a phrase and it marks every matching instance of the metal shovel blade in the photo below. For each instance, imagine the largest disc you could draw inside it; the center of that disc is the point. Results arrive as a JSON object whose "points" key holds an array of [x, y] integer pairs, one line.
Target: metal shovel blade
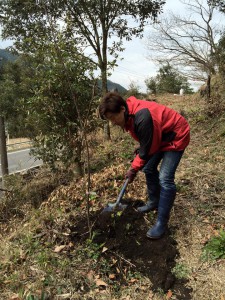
{"points": [[117, 205], [113, 207]]}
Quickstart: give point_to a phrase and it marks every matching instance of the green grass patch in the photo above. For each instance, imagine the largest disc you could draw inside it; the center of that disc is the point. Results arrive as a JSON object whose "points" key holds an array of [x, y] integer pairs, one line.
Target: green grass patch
{"points": [[215, 248], [180, 271]]}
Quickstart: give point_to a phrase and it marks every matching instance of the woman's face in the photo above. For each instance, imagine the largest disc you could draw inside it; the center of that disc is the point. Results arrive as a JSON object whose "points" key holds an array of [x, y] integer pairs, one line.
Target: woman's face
{"points": [[117, 118]]}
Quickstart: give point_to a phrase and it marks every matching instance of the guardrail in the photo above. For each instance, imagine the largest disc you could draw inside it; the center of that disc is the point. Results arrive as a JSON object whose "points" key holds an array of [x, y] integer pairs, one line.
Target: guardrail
{"points": [[9, 145]]}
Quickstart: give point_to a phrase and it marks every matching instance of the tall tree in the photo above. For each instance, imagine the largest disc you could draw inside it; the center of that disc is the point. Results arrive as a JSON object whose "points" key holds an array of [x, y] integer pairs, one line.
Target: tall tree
{"points": [[189, 41], [99, 24], [60, 109], [12, 90], [133, 90], [218, 3], [168, 80], [220, 51], [151, 85], [60, 88], [220, 55]]}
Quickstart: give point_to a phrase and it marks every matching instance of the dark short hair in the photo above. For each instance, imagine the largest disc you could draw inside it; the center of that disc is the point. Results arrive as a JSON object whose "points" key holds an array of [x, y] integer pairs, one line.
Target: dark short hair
{"points": [[111, 102]]}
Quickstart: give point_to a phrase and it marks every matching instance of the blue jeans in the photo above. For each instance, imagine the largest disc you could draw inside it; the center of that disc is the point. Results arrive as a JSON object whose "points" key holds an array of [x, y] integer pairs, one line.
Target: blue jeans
{"points": [[164, 177]]}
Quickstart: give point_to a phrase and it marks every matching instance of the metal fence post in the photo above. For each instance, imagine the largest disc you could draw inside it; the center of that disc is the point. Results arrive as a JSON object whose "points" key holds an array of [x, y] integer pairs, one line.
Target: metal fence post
{"points": [[3, 150]]}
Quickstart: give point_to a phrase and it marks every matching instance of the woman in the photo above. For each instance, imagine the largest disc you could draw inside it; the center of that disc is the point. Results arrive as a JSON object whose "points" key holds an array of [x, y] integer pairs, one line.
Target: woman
{"points": [[163, 135]]}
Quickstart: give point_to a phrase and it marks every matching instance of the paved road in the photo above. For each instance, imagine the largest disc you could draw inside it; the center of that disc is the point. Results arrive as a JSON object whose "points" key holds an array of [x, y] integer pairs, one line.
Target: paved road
{"points": [[21, 160]]}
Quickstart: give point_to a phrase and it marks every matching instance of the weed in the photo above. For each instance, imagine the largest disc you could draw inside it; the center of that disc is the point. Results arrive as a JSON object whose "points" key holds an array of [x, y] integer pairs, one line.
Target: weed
{"points": [[180, 271], [215, 248], [133, 275], [15, 281], [200, 118], [128, 226], [32, 296], [94, 234], [181, 188], [42, 259], [126, 155], [62, 263], [93, 196], [119, 214], [160, 291], [30, 244], [151, 216], [92, 249]]}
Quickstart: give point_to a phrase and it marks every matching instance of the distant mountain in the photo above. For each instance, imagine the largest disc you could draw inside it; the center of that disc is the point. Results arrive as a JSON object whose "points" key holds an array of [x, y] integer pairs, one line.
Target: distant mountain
{"points": [[5, 56], [112, 86]]}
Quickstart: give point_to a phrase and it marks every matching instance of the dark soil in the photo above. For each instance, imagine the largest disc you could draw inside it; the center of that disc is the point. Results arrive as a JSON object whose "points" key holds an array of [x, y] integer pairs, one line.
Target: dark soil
{"points": [[124, 235]]}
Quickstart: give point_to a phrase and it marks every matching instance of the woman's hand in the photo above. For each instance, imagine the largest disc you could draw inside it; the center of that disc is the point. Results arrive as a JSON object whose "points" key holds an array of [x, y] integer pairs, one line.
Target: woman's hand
{"points": [[131, 174]]}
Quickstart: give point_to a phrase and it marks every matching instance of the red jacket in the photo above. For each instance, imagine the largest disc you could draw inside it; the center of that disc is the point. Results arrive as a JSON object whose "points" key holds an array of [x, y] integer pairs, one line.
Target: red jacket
{"points": [[156, 127]]}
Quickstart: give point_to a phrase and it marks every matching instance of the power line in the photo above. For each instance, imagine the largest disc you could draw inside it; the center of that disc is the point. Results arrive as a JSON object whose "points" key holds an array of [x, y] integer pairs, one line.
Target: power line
{"points": [[127, 71], [131, 74]]}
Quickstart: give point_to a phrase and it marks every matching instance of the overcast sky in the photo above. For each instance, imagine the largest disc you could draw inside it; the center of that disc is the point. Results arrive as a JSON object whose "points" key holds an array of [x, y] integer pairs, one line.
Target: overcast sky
{"points": [[135, 66]]}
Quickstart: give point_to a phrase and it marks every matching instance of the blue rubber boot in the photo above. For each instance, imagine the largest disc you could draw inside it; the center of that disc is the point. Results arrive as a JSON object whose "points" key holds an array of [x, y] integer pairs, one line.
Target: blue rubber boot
{"points": [[153, 199], [150, 205], [165, 204]]}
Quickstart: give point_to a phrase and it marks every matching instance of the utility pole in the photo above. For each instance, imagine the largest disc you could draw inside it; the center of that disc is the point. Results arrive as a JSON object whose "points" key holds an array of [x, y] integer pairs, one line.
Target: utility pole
{"points": [[3, 149]]}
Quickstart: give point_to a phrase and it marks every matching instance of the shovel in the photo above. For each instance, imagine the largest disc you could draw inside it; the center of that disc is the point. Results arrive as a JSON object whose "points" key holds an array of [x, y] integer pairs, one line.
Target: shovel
{"points": [[117, 205]]}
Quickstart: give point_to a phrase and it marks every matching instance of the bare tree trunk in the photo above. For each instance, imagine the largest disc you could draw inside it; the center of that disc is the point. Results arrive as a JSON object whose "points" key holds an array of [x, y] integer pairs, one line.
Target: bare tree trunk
{"points": [[77, 169], [107, 136], [78, 165], [208, 87], [3, 150]]}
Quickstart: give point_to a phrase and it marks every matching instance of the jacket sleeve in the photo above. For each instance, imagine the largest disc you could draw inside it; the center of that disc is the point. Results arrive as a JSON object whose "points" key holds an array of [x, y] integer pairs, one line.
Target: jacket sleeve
{"points": [[143, 128]]}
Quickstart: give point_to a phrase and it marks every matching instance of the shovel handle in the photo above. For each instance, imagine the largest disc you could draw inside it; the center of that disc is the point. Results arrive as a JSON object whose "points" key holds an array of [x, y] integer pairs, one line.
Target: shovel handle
{"points": [[122, 192]]}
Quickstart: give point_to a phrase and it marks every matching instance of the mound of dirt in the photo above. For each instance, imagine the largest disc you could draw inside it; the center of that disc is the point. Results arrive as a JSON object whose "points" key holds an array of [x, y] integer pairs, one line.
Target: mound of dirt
{"points": [[124, 235]]}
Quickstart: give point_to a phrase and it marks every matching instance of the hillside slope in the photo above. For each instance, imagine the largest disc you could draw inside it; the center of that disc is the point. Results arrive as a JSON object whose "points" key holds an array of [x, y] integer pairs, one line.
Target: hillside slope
{"points": [[46, 251]]}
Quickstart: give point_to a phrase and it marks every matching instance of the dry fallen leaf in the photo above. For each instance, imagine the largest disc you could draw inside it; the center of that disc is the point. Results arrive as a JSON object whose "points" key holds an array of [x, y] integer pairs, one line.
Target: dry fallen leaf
{"points": [[65, 296], [133, 280], [104, 249], [216, 233], [90, 275], [114, 261], [169, 294], [59, 248], [150, 295], [15, 297], [100, 282], [192, 211], [205, 220], [112, 276], [71, 245]]}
